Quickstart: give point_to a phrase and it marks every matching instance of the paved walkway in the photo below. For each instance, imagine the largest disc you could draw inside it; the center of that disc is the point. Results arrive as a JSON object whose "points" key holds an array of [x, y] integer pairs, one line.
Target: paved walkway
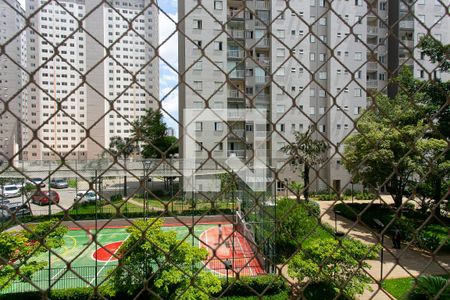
{"points": [[405, 262]]}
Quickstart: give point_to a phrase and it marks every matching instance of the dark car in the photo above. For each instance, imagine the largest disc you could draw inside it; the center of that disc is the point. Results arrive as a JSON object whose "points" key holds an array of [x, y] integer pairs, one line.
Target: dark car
{"points": [[59, 183], [45, 197], [7, 210]]}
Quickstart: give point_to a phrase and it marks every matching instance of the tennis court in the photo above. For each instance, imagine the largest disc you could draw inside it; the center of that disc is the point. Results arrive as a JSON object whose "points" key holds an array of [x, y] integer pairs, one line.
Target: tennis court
{"points": [[91, 262]]}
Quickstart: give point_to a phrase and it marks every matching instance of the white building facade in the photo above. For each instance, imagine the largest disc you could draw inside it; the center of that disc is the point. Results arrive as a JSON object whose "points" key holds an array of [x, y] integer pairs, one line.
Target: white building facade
{"points": [[94, 72], [12, 77], [307, 63]]}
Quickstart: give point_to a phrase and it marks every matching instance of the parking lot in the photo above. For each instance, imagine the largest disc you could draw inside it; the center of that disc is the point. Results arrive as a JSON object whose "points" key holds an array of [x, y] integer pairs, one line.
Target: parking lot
{"points": [[67, 195]]}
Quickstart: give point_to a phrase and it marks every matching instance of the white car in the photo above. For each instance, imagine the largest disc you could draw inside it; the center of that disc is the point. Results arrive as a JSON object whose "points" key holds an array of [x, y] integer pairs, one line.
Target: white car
{"points": [[11, 191], [86, 197]]}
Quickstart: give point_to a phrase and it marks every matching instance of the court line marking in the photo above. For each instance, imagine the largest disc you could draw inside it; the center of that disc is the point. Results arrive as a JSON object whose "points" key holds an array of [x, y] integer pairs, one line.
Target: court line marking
{"points": [[247, 262], [109, 260], [62, 254]]}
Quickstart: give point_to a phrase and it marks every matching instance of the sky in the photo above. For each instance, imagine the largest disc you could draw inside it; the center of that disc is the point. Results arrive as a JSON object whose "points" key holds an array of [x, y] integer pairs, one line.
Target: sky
{"points": [[168, 51]]}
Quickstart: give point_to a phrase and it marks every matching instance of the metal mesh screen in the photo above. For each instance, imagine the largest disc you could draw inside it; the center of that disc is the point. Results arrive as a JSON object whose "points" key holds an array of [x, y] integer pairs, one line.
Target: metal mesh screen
{"points": [[286, 150]]}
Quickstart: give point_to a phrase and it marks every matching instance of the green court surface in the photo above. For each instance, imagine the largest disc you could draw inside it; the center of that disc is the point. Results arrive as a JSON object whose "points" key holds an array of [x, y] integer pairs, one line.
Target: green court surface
{"points": [[84, 267]]}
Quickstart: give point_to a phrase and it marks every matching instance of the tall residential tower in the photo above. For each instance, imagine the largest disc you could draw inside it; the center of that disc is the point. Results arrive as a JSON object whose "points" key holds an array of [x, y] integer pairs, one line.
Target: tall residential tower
{"points": [[94, 71], [309, 62]]}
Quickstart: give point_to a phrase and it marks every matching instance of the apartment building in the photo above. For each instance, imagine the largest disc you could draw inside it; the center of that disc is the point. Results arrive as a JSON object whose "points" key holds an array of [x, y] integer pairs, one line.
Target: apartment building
{"points": [[310, 62], [12, 77], [95, 72]]}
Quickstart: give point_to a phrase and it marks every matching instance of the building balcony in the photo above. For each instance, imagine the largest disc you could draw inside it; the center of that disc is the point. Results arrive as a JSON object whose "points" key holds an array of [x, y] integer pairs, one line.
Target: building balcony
{"points": [[235, 14], [262, 4], [238, 153], [263, 61], [236, 33], [236, 134], [372, 83], [237, 74], [235, 54], [406, 25], [408, 43], [372, 30], [372, 66], [262, 23], [235, 94], [262, 43], [261, 79]]}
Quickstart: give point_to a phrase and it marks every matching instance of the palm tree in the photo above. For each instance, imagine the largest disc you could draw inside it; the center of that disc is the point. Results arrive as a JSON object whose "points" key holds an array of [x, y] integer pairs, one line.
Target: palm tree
{"points": [[122, 147], [306, 151]]}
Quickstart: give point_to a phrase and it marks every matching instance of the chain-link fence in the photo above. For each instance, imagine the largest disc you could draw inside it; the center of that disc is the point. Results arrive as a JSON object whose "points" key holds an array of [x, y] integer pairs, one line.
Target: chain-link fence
{"points": [[286, 150]]}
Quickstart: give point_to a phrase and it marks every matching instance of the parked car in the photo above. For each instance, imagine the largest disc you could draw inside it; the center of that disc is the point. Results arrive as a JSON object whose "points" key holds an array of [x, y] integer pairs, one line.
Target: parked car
{"points": [[7, 210], [59, 183], [36, 182], [4, 201], [11, 191], [44, 197], [86, 197]]}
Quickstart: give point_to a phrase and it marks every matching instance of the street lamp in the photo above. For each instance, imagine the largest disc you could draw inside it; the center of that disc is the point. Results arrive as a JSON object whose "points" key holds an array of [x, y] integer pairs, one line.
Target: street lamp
{"points": [[381, 225], [228, 266], [352, 189]]}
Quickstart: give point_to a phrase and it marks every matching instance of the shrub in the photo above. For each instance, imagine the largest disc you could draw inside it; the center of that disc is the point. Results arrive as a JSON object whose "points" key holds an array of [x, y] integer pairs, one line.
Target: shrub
{"points": [[429, 287], [247, 286], [322, 290], [341, 270], [365, 196], [116, 198], [433, 236]]}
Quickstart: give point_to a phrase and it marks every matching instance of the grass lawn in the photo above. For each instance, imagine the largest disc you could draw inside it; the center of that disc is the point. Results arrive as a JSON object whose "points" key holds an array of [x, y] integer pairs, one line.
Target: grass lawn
{"points": [[399, 287], [90, 208], [179, 205]]}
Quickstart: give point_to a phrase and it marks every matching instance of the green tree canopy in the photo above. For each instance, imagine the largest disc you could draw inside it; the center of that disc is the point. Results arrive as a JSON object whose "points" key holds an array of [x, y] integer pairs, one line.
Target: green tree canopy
{"points": [[18, 248], [383, 150], [151, 132], [306, 151], [153, 255]]}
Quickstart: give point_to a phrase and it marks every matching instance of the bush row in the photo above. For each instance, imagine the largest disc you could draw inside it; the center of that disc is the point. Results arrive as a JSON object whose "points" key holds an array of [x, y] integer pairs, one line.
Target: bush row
{"points": [[107, 215], [430, 237], [271, 286]]}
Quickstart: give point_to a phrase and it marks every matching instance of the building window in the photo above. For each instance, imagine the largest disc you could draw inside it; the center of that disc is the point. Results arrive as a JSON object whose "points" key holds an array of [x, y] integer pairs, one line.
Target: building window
{"points": [[358, 92], [218, 46], [198, 126], [218, 126], [198, 85], [218, 5], [198, 24]]}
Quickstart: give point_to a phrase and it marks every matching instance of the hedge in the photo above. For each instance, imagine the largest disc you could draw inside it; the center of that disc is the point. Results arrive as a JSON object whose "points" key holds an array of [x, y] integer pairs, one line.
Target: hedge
{"points": [[247, 286], [272, 286], [430, 237]]}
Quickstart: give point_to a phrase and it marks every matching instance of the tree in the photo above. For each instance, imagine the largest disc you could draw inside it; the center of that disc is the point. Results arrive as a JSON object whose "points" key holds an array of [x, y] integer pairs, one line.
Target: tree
{"points": [[228, 184], [122, 147], [381, 151], [151, 131], [435, 164], [153, 255], [17, 249], [327, 261], [306, 151]]}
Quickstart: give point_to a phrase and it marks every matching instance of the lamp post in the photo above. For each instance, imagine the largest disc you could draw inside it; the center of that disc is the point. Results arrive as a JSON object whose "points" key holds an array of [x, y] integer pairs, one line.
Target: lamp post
{"points": [[381, 225], [228, 266], [352, 189]]}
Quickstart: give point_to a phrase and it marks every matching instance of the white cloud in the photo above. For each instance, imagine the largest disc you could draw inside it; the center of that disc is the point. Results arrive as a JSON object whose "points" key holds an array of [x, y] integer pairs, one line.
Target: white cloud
{"points": [[169, 47]]}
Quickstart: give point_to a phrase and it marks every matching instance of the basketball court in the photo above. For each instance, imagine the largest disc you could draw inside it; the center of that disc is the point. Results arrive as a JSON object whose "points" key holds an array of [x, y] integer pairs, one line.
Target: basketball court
{"points": [[90, 262]]}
